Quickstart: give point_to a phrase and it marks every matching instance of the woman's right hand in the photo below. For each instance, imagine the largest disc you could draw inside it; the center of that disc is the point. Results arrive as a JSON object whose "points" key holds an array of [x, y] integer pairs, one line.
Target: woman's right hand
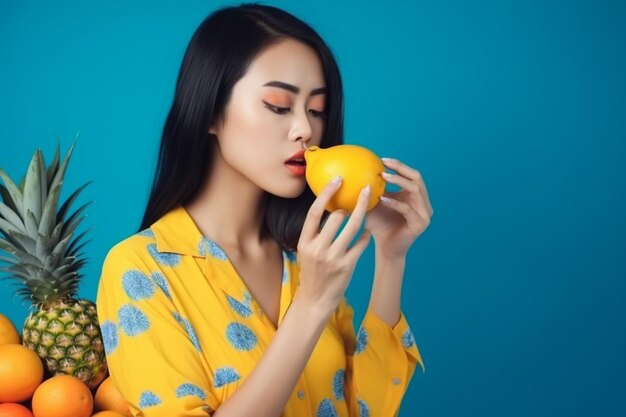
{"points": [[326, 262]]}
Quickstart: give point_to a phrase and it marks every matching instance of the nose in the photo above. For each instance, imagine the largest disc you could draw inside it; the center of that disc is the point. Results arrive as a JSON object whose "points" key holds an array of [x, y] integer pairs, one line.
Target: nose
{"points": [[301, 130]]}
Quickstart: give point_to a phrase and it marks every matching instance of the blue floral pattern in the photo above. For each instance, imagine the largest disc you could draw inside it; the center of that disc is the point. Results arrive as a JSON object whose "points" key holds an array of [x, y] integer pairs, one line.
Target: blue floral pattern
{"points": [[190, 331], [163, 258], [207, 246], [109, 336], [326, 409], [408, 340], [241, 337], [239, 308], [225, 375], [338, 384], [137, 285], [364, 409], [132, 320], [160, 280], [361, 340], [189, 389], [148, 399]]}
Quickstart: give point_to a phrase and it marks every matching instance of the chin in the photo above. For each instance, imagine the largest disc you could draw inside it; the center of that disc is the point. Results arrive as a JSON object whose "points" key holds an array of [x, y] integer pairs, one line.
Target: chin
{"points": [[288, 191]]}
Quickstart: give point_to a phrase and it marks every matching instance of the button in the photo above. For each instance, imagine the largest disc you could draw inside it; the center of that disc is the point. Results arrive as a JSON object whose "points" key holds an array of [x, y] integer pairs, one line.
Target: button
{"points": [[300, 394], [396, 381]]}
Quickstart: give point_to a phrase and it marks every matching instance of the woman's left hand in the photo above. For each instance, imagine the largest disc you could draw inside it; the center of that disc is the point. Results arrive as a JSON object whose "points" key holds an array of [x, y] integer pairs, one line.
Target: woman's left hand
{"points": [[401, 216]]}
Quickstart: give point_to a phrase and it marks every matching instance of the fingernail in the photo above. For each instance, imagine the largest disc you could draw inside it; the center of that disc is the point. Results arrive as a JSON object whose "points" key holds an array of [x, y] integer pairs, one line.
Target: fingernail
{"points": [[366, 189], [384, 199], [336, 180], [387, 159], [387, 175]]}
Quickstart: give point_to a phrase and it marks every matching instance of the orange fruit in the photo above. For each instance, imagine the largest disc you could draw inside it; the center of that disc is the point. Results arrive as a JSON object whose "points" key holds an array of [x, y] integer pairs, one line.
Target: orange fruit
{"points": [[8, 332], [358, 167], [14, 410], [109, 398], [108, 414], [21, 371], [62, 396]]}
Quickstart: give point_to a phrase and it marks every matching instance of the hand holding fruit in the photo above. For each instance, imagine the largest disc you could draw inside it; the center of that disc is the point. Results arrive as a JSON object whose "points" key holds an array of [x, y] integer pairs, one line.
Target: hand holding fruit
{"points": [[326, 262], [356, 165], [403, 216]]}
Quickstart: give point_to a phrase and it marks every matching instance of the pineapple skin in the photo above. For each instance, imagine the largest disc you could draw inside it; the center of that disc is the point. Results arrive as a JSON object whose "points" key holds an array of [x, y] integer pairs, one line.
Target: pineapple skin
{"points": [[66, 335]]}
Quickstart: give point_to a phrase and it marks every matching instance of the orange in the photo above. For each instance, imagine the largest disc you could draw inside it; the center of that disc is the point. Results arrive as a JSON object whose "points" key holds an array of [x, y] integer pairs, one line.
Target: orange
{"points": [[109, 398], [8, 332], [62, 396], [358, 167], [108, 414], [21, 371], [14, 410]]}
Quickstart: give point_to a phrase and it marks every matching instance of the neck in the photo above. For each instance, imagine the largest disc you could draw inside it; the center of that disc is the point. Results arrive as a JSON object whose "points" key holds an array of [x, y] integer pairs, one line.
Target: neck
{"points": [[229, 208]]}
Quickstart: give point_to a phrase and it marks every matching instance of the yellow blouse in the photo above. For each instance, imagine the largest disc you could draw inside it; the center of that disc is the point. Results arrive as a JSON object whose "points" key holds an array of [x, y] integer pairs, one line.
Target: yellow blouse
{"points": [[181, 333]]}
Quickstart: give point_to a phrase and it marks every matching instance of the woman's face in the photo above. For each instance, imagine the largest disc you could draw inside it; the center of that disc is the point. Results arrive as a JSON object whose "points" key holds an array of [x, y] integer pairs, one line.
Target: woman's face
{"points": [[275, 107]]}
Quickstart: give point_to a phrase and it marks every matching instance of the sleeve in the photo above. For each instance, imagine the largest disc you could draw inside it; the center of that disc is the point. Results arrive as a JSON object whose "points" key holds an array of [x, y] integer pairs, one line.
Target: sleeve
{"points": [[151, 351], [380, 362]]}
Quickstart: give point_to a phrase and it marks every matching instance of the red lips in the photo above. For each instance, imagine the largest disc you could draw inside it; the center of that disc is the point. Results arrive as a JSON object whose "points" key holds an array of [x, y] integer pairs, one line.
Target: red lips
{"points": [[296, 164], [298, 156]]}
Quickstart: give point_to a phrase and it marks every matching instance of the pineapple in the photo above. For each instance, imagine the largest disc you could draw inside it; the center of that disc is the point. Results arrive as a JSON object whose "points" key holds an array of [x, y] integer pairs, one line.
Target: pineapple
{"points": [[45, 259]]}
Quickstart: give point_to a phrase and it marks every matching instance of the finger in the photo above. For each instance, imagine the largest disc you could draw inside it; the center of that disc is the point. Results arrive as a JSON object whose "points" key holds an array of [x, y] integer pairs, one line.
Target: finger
{"points": [[401, 181], [408, 172], [402, 168], [354, 223], [311, 225], [399, 206], [421, 206], [359, 246], [331, 226]]}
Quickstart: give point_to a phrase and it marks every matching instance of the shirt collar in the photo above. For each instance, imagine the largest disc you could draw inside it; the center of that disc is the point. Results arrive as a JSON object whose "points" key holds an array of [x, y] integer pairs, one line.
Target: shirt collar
{"points": [[176, 232]]}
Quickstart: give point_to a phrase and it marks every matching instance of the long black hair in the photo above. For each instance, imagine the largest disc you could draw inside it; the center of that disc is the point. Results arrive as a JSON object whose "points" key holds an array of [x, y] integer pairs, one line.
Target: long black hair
{"points": [[217, 56]]}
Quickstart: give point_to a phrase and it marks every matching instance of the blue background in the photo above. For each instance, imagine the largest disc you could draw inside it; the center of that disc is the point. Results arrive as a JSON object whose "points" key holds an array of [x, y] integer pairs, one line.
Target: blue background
{"points": [[514, 112]]}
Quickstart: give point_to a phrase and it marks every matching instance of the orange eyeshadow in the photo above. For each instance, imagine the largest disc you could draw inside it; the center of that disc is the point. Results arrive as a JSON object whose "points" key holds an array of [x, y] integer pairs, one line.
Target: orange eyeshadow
{"points": [[277, 99], [318, 102]]}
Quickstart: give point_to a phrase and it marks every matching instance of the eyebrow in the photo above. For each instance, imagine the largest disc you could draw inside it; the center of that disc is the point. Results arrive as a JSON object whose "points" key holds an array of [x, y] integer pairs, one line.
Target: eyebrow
{"points": [[293, 88]]}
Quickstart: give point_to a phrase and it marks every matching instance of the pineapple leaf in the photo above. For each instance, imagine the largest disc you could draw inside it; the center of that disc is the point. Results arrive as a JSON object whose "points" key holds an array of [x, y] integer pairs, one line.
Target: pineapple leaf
{"points": [[74, 220], [60, 173], [61, 270], [56, 233], [49, 212], [74, 251], [9, 215], [8, 260], [76, 240], [52, 169], [43, 246], [31, 224], [16, 268], [25, 243], [28, 260], [59, 250], [8, 200], [32, 186], [7, 227], [66, 206], [22, 276], [43, 180], [7, 246], [14, 192]]}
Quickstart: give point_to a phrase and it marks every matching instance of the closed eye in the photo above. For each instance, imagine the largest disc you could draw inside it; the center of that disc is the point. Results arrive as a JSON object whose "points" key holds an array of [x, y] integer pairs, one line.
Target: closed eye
{"points": [[320, 114], [284, 110], [276, 109]]}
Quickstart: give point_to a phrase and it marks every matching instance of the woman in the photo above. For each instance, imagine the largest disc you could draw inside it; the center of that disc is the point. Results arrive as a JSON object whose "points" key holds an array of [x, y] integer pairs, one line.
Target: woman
{"points": [[230, 300]]}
